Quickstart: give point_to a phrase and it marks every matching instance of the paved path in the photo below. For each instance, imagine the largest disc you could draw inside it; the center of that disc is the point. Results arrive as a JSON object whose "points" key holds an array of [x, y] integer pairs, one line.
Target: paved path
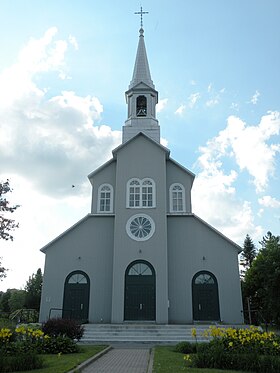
{"points": [[121, 360]]}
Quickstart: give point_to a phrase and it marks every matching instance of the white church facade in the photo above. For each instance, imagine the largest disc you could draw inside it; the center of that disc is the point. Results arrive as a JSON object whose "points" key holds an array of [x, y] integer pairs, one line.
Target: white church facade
{"points": [[141, 255]]}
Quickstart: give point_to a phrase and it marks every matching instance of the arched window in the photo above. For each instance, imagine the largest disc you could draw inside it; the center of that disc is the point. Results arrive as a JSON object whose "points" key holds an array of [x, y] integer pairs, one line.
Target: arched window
{"points": [[147, 193], [140, 193], [177, 198], [105, 198], [141, 106]]}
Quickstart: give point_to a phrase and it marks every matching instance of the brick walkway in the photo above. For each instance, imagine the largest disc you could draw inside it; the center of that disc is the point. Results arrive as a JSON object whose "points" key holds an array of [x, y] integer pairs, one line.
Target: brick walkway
{"points": [[125, 360]]}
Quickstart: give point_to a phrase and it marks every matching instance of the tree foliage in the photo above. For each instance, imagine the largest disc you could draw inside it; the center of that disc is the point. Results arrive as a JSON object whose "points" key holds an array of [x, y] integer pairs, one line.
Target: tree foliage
{"points": [[33, 290], [249, 253], [6, 224], [262, 279], [17, 300]]}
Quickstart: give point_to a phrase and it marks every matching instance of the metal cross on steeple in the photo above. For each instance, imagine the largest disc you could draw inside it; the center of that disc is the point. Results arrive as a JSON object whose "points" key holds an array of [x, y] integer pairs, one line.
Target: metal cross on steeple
{"points": [[141, 14]]}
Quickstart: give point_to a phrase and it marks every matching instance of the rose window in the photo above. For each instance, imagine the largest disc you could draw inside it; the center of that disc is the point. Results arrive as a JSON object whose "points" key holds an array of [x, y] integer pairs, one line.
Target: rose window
{"points": [[140, 227]]}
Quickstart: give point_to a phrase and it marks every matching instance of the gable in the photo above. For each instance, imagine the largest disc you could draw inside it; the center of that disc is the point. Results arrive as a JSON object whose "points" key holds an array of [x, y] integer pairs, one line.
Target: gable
{"points": [[145, 139]]}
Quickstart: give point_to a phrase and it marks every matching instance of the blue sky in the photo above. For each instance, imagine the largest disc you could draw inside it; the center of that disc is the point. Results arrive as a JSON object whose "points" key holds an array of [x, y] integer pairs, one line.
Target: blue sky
{"points": [[64, 69]]}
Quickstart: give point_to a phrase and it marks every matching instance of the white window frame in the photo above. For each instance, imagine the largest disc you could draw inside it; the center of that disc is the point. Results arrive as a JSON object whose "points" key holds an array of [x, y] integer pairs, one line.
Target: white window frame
{"points": [[142, 185], [171, 205], [99, 199]]}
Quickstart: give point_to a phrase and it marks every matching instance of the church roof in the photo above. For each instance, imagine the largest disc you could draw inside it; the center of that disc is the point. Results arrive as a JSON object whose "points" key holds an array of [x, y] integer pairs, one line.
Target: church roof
{"points": [[141, 72], [194, 216]]}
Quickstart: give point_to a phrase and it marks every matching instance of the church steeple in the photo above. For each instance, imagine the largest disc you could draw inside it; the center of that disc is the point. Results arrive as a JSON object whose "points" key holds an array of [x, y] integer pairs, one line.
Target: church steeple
{"points": [[141, 72], [141, 97]]}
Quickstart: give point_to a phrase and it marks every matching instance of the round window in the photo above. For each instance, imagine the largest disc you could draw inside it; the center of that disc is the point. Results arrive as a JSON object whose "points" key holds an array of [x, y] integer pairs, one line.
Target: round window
{"points": [[140, 227]]}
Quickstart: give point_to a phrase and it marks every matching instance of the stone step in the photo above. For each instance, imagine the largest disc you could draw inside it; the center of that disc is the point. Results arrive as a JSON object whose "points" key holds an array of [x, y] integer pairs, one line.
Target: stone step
{"points": [[150, 333]]}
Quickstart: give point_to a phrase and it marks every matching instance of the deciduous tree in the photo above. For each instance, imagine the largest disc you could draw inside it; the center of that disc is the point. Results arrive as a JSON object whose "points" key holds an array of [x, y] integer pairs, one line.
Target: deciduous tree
{"points": [[6, 224], [33, 290]]}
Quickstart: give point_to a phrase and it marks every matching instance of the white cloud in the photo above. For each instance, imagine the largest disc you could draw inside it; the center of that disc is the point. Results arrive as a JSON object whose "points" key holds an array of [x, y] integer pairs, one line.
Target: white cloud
{"points": [[57, 138], [234, 106], [73, 41], [255, 98], [214, 194], [192, 99], [46, 145], [180, 110], [161, 104], [212, 101], [215, 200], [250, 147], [268, 201], [164, 142], [214, 97]]}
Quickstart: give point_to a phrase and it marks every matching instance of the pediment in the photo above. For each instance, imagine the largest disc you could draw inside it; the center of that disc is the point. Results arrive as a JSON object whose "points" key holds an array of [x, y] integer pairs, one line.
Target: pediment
{"points": [[141, 87]]}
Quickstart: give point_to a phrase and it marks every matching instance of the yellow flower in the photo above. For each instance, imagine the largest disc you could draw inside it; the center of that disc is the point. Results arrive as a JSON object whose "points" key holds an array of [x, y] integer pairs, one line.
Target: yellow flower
{"points": [[193, 332], [187, 358]]}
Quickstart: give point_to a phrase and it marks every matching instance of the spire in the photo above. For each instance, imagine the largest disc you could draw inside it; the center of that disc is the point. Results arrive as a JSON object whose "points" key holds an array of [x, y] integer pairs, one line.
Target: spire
{"points": [[141, 72], [141, 97]]}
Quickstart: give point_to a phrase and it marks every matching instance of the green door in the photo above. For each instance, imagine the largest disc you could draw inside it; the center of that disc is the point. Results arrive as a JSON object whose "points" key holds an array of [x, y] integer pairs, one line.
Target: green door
{"points": [[76, 297], [140, 294], [205, 297]]}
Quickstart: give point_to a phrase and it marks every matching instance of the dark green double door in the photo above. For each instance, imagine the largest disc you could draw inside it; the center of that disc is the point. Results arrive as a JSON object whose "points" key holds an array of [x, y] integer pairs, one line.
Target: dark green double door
{"points": [[140, 294], [76, 297], [205, 297]]}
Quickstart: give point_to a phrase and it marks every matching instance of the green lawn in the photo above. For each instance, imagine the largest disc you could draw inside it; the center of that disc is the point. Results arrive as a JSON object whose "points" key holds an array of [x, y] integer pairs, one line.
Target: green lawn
{"points": [[168, 361], [64, 363]]}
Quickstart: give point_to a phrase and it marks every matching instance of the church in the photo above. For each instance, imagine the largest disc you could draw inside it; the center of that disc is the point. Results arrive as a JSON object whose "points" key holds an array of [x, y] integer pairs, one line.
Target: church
{"points": [[141, 255]]}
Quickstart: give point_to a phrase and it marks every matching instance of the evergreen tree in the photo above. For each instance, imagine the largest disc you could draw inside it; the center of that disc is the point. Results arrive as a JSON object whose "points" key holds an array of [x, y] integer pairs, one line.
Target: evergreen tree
{"points": [[248, 253]]}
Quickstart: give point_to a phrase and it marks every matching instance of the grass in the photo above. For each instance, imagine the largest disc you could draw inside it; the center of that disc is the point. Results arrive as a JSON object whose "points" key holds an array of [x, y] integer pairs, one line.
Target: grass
{"points": [[64, 363], [166, 360]]}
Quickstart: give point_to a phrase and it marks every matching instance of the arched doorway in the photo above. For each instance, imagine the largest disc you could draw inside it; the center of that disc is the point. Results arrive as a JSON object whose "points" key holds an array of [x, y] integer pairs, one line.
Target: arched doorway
{"points": [[140, 292], [76, 296], [205, 297]]}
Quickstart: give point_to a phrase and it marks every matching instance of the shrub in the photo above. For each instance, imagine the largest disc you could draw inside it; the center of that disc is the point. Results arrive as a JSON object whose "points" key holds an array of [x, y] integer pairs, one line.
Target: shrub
{"points": [[247, 362], [59, 345], [185, 347], [63, 327], [19, 362]]}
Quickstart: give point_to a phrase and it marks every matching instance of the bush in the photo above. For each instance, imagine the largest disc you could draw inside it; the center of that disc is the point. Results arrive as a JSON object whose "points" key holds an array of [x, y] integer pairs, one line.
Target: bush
{"points": [[185, 348], [59, 345], [19, 362], [247, 362], [63, 327]]}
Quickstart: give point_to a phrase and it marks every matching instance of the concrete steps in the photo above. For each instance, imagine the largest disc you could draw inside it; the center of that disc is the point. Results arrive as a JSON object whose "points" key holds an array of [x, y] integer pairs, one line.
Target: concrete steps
{"points": [[143, 333]]}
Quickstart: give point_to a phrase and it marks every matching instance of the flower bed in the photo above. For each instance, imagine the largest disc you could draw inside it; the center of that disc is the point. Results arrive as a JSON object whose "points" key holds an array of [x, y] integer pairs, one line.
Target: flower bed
{"points": [[19, 348], [241, 349]]}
